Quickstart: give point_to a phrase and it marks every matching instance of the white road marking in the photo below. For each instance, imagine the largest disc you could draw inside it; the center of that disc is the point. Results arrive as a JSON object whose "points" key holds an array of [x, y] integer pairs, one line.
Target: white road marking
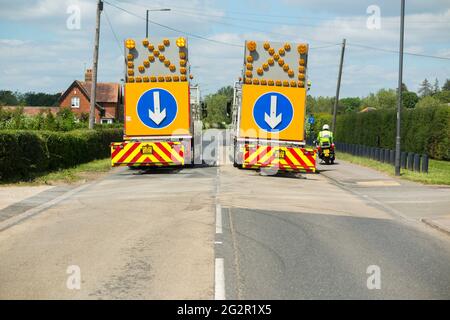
{"points": [[218, 218], [33, 211], [219, 289]]}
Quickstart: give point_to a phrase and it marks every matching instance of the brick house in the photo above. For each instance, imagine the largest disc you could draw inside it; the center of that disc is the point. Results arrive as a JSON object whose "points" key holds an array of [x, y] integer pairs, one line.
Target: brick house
{"points": [[108, 101]]}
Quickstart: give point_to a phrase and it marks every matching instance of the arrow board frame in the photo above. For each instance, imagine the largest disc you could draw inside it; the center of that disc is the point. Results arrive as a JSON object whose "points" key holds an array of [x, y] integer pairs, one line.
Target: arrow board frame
{"points": [[135, 127], [248, 128], [274, 130]]}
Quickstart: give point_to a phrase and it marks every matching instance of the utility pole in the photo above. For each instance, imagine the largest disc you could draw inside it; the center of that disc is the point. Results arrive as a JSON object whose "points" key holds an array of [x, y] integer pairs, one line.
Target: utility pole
{"points": [[338, 88], [94, 66], [399, 92]]}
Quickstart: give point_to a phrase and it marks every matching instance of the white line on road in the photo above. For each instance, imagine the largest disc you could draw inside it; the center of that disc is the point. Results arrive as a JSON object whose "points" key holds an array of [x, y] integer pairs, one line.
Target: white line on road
{"points": [[218, 218], [219, 289], [33, 211]]}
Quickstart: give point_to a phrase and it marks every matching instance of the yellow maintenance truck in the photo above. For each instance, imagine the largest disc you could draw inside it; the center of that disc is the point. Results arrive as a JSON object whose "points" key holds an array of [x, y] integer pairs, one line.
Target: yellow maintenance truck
{"points": [[158, 118], [269, 108]]}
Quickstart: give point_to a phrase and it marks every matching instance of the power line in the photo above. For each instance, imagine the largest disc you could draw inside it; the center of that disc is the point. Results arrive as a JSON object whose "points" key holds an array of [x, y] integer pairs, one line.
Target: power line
{"points": [[115, 35], [247, 13], [270, 32], [173, 29], [396, 51]]}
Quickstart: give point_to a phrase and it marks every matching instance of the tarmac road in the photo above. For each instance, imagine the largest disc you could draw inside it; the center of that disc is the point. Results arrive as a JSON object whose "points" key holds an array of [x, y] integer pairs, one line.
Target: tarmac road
{"points": [[221, 232]]}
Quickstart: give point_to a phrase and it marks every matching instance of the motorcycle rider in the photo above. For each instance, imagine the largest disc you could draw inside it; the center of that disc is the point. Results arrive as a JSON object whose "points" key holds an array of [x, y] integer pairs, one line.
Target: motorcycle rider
{"points": [[325, 136], [325, 145]]}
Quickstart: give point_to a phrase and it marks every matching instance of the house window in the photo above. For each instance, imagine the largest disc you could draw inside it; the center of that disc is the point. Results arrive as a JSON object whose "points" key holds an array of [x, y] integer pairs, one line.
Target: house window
{"points": [[106, 121], [75, 102]]}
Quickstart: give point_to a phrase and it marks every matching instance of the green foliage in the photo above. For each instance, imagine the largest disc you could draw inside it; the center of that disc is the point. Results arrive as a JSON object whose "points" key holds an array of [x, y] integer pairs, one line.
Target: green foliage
{"points": [[227, 91], [425, 89], [9, 98], [216, 106], [320, 120], [319, 104], [443, 96], [350, 104], [409, 99], [446, 86], [387, 99], [424, 130], [429, 102], [25, 154], [64, 120]]}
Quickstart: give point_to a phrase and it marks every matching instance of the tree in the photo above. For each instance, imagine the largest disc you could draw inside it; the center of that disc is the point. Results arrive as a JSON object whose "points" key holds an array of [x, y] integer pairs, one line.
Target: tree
{"points": [[8, 98], [409, 99], [387, 98], [425, 88], [428, 102], [41, 99], [446, 86], [443, 96], [216, 105], [436, 88], [227, 91], [350, 104], [370, 101]]}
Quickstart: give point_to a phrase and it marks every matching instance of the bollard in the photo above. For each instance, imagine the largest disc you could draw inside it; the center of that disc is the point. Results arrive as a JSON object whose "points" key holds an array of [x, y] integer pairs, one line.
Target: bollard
{"points": [[410, 160], [403, 160], [417, 162], [425, 163]]}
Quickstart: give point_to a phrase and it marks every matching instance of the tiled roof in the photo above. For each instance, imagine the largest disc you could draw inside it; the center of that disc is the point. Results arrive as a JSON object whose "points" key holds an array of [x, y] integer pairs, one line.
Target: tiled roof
{"points": [[106, 91]]}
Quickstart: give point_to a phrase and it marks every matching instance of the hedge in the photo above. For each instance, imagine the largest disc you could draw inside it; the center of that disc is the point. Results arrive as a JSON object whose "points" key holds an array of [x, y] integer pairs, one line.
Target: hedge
{"points": [[423, 131], [24, 154]]}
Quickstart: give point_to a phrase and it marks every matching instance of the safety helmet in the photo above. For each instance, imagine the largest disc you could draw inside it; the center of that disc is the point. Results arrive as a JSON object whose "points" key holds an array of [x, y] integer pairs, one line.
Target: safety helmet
{"points": [[326, 127]]}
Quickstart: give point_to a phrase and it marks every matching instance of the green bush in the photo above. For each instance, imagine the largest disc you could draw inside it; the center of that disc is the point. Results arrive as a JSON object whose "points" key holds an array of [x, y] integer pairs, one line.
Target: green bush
{"points": [[25, 154], [319, 120], [424, 130]]}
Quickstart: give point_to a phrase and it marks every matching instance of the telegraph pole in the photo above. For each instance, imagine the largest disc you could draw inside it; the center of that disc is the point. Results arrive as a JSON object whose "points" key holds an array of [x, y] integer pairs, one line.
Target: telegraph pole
{"points": [[94, 66], [338, 88], [399, 94]]}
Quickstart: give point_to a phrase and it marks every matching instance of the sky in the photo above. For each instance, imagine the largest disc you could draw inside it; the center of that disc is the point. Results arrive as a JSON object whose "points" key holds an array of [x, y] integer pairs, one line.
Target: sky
{"points": [[47, 44]]}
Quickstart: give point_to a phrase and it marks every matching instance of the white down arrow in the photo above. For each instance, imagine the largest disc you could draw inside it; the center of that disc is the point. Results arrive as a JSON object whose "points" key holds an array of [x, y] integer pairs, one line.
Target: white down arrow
{"points": [[157, 115], [273, 120]]}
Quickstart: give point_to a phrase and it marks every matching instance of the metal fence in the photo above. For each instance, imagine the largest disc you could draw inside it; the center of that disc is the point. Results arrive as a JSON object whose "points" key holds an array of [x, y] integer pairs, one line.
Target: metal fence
{"points": [[408, 160]]}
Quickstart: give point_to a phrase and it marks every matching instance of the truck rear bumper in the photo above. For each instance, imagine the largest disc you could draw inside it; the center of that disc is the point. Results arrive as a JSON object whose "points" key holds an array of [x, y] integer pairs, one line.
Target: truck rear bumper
{"points": [[282, 158], [153, 153]]}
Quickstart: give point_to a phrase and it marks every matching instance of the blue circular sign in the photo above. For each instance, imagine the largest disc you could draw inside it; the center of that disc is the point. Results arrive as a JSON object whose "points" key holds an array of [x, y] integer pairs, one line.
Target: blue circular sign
{"points": [[273, 112], [157, 108]]}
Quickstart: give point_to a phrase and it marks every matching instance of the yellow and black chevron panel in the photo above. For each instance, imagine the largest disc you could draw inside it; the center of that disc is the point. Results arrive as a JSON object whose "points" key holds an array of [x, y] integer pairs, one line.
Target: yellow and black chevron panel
{"points": [[284, 158], [161, 153]]}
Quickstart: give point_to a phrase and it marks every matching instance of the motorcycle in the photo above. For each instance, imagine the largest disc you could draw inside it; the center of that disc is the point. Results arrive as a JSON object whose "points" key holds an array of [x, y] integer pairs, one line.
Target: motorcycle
{"points": [[326, 152]]}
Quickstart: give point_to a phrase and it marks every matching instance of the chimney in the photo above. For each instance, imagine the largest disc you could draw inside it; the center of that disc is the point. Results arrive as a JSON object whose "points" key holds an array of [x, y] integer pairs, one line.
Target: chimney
{"points": [[88, 75]]}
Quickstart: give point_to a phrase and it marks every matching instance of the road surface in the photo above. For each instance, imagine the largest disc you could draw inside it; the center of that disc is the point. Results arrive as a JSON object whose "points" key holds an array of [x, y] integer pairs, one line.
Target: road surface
{"points": [[220, 232]]}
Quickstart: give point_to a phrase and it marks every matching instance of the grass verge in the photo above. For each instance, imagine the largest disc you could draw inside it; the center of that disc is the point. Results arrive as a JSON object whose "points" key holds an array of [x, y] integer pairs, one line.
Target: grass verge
{"points": [[438, 170], [82, 172]]}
